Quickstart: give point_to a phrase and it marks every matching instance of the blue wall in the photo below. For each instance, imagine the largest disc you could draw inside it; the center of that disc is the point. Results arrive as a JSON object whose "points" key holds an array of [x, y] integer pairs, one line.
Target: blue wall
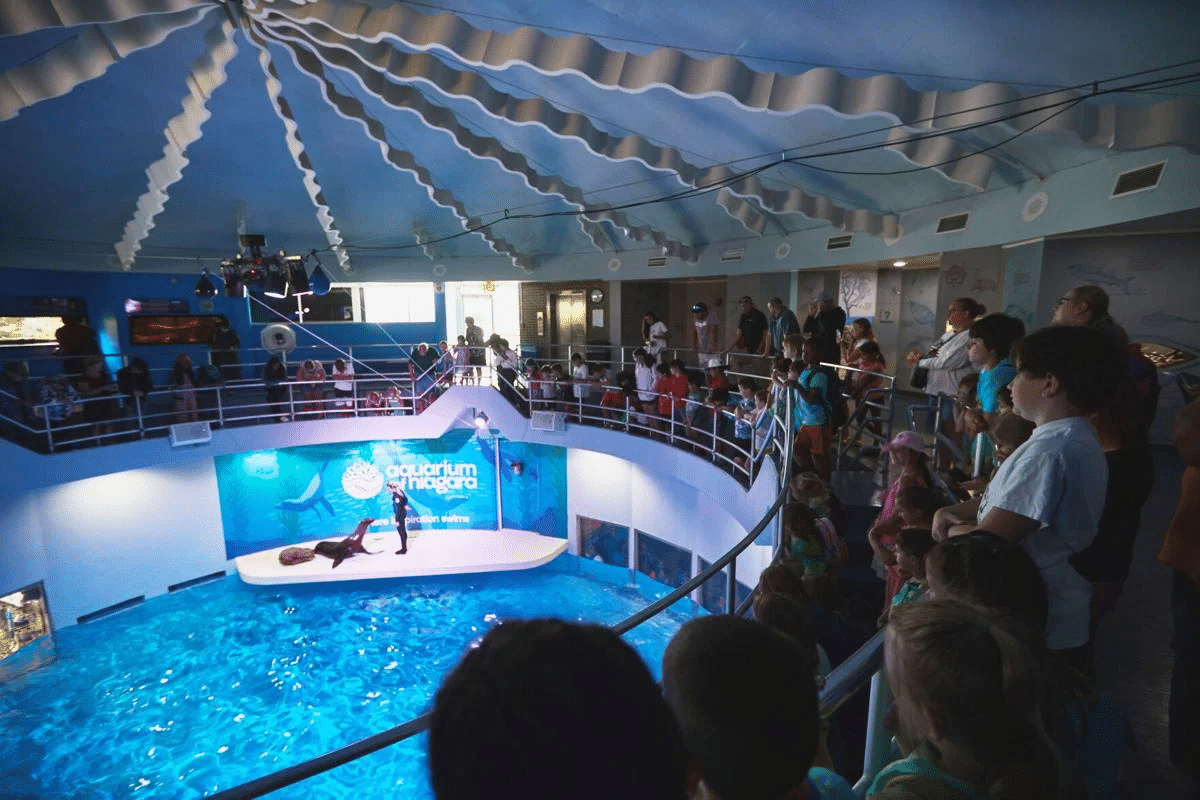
{"points": [[273, 498], [106, 293]]}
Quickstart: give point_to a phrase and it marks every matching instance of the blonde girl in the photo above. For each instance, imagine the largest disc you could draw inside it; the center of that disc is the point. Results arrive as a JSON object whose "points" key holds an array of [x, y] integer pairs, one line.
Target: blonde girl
{"points": [[968, 694]]}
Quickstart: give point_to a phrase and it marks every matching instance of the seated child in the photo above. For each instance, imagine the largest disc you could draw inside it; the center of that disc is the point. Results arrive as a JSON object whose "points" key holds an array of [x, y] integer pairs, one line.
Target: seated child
{"points": [[747, 738], [916, 504], [533, 379], [790, 617], [695, 421], [966, 402], [743, 405], [555, 389], [968, 690], [986, 570], [802, 540], [1008, 433], [871, 359], [908, 454], [674, 392], [912, 545], [762, 422]]}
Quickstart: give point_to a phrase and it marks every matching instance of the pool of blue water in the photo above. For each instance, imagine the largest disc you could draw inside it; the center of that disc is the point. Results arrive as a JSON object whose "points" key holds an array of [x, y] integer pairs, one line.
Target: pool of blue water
{"points": [[202, 690]]}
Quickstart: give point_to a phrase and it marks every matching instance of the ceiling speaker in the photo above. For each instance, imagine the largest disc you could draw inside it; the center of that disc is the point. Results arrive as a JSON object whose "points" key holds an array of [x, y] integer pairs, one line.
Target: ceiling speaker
{"points": [[1035, 206]]}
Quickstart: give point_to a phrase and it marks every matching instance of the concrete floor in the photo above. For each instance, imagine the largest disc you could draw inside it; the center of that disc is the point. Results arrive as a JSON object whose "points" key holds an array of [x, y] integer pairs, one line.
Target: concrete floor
{"points": [[1133, 649]]}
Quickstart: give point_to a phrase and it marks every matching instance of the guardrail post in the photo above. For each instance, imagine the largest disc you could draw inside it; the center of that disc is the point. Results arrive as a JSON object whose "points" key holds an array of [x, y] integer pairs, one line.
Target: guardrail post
{"points": [[716, 415], [878, 750], [137, 411], [731, 588], [220, 407], [291, 403]]}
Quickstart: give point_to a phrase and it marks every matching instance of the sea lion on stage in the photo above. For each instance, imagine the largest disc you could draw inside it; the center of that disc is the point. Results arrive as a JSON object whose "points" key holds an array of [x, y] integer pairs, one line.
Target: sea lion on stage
{"points": [[340, 551]]}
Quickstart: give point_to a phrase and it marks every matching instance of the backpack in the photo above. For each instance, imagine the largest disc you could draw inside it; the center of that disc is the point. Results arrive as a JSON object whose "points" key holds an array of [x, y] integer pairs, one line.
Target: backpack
{"points": [[837, 552], [835, 400]]}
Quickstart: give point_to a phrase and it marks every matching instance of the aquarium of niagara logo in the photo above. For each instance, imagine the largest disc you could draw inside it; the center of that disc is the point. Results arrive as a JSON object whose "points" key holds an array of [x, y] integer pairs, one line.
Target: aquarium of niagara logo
{"points": [[441, 477]]}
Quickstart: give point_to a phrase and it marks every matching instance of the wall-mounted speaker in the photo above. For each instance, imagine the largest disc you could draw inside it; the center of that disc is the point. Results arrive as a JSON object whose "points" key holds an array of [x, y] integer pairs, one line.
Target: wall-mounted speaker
{"points": [[187, 433]]}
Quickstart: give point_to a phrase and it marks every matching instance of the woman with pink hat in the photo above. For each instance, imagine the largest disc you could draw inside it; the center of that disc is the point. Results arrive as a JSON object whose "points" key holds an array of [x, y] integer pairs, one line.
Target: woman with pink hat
{"points": [[908, 453]]}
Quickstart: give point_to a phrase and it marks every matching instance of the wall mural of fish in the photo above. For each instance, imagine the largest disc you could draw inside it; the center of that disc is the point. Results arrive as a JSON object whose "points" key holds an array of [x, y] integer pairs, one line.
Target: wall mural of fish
{"points": [[1090, 273], [1159, 319]]}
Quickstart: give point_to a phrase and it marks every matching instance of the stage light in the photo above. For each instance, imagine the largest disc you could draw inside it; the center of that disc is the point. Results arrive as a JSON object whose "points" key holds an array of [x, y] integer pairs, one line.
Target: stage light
{"points": [[319, 281], [481, 421], [297, 277], [275, 284], [204, 287]]}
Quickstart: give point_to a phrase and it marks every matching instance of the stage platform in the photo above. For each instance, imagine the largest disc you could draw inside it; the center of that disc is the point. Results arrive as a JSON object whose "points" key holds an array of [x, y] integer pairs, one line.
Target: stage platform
{"points": [[430, 552]]}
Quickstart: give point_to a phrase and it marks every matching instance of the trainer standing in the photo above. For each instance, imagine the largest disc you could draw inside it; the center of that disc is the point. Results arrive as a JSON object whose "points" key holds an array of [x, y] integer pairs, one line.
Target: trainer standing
{"points": [[400, 511]]}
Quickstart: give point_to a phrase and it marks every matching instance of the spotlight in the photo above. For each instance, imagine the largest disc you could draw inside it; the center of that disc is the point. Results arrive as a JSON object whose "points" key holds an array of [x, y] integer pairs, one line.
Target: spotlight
{"points": [[481, 421], [275, 283], [319, 281], [297, 277], [204, 287]]}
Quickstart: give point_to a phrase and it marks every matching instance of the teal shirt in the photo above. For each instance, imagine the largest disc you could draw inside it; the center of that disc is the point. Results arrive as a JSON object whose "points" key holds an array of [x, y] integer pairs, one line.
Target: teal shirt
{"points": [[909, 593], [828, 785], [813, 414], [919, 764]]}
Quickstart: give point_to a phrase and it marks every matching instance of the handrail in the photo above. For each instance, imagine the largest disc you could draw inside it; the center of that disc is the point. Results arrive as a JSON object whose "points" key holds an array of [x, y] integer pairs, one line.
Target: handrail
{"points": [[343, 755]]}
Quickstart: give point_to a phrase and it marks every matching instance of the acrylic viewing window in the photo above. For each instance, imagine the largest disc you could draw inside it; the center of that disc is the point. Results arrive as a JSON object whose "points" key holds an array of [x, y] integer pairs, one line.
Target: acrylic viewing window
{"points": [[24, 627], [663, 561], [28, 330], [604, 541], [173, 329]]}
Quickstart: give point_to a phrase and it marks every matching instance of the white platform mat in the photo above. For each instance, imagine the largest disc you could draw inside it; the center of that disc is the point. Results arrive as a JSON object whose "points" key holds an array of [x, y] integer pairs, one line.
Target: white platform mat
{"points": [[430, 552]]}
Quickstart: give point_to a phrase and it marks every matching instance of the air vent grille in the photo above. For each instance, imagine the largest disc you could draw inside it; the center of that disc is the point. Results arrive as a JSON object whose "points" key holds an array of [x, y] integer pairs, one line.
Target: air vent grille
{"points": [[954, 222], [839, 242], [1138, 180], [657, 261]]}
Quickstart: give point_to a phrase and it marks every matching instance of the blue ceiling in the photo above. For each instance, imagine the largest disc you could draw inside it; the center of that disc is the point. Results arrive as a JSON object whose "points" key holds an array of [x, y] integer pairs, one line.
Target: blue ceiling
{"points": [[146, 134]]}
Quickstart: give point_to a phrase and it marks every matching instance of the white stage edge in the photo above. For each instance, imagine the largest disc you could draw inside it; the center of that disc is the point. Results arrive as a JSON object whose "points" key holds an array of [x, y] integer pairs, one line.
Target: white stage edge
{"points": [[430, 552]]}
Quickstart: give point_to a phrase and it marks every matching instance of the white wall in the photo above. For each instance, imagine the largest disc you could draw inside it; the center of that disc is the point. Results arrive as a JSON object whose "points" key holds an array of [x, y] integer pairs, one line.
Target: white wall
{"points": [[131, 533], [645, 497]]}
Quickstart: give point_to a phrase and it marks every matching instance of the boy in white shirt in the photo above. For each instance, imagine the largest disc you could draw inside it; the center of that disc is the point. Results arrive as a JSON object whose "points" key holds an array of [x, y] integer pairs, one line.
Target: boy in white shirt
{"points": [[1049, 494]]}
